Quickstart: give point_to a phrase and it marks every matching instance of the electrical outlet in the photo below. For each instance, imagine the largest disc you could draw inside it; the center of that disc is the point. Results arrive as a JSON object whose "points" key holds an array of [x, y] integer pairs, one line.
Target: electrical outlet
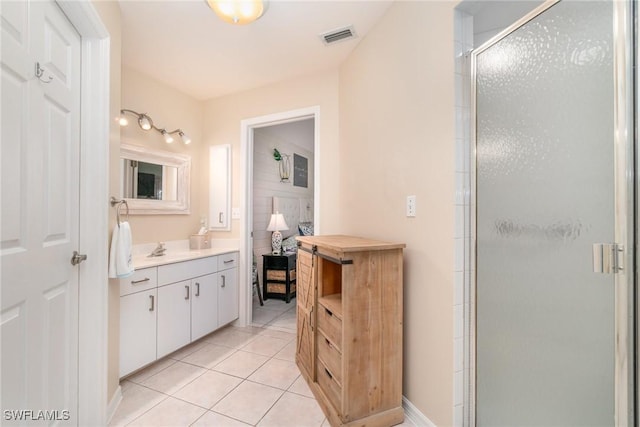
{"points": [[235, 213], [411, 206]]}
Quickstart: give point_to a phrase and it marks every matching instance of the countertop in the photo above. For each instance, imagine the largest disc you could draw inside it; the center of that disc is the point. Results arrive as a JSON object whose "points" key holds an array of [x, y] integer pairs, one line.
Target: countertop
{"points": [[144, 261]]}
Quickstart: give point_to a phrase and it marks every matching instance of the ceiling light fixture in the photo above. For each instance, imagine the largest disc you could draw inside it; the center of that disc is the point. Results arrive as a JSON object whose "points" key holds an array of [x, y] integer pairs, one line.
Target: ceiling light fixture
{"points": [[238, 12], [145, 123]]}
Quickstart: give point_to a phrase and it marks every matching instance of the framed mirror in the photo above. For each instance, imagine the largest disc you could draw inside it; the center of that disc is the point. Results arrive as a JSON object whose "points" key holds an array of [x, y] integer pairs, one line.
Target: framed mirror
{"points": [[154, 181]]}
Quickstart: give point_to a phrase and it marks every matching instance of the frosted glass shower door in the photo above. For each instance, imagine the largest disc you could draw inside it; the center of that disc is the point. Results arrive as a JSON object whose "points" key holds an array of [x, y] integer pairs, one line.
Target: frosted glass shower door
{"points": [[545, 327]]}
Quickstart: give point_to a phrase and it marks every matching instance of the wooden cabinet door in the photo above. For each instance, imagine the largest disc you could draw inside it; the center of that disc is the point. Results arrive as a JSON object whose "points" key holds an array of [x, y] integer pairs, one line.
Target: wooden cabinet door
{"points": [[306, 296], [204, 305], [174, 317]]}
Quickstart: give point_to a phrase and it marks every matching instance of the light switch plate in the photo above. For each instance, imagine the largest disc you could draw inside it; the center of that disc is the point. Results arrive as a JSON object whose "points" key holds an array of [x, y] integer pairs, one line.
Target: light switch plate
{"points": [[235, 213], [411, 206]]}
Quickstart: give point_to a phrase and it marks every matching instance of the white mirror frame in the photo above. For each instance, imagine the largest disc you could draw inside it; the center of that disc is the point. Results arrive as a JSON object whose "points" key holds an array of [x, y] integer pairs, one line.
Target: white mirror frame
{"points": [[165, 158]]}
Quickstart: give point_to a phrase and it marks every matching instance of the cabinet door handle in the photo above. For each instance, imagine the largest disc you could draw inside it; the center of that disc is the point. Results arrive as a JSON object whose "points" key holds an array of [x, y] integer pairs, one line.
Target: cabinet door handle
{"points": [[220, 217], [152, 303], [311, 318], [197, 289], [187, 288], [135, 282], [228, 261], [224, 281], [329, 313]]}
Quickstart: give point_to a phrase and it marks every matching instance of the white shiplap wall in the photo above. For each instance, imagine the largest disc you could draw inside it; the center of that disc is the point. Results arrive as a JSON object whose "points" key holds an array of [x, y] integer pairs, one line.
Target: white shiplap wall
{"points": [[288, 138]]}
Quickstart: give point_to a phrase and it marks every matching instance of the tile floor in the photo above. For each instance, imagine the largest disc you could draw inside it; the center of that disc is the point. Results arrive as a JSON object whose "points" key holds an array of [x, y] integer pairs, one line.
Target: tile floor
{"points": [[232, 377]]}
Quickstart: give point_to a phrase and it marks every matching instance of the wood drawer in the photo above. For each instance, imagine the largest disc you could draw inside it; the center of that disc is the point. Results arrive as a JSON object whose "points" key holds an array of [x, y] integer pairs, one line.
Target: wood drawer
{"points": [[330, 325], [329, 386], [141, 280], [331, 357], [226, 261]]}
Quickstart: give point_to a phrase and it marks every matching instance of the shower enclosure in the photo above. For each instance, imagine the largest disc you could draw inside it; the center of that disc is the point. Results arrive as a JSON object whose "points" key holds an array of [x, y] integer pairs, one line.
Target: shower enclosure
{"points": [[554, 219]]}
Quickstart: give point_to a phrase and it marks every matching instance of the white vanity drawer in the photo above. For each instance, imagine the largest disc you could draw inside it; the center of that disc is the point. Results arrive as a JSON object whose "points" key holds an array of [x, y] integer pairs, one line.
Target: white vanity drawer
{"points": [[141, 280], [171, 273], [226, 261]]}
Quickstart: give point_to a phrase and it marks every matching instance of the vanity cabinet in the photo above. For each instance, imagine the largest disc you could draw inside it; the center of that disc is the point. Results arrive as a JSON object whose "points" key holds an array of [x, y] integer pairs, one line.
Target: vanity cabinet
{"points": [[174, 317], [138, 310], [204, 297], [349, 342], [166, 307]]}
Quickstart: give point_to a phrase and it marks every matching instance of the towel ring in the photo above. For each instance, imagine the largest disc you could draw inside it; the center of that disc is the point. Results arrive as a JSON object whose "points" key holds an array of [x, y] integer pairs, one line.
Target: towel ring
{"points": [[118, 204]]}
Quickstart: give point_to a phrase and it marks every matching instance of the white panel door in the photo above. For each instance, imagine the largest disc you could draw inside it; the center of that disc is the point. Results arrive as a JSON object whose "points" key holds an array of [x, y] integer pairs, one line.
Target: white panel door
{"points": [[204, 305], [40, 209], [227, 296], [174, 317]]}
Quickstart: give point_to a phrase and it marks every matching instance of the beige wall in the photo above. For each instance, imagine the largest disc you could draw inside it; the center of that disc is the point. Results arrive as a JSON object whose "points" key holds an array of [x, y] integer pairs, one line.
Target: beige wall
{"points": [[386, 131], [397, 139], [222, 119], [109, 12], [169, 109]]}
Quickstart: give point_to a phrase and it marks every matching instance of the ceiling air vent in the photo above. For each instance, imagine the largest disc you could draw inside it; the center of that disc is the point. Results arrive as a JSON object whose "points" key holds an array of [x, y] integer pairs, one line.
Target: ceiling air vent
{"points": [[337, 35]]}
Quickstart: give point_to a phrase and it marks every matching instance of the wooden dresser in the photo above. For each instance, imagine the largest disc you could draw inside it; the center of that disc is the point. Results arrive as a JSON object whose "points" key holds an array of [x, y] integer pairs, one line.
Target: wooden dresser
{"points": [[349, 334]]}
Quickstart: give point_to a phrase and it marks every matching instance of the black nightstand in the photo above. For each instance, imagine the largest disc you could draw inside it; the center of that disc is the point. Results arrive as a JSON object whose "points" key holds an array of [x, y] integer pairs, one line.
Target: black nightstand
{"points": [[279, 276]]}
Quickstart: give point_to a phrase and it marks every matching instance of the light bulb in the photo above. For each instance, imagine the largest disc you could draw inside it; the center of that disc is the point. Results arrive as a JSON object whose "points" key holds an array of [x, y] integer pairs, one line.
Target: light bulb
{"points": [[145, 122], [167, 137], [122, 121], [185, 138]]}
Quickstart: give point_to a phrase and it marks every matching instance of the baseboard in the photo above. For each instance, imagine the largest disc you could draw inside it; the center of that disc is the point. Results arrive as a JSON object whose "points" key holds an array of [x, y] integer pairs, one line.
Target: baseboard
{"points": [[113, 403], [414, 415]]}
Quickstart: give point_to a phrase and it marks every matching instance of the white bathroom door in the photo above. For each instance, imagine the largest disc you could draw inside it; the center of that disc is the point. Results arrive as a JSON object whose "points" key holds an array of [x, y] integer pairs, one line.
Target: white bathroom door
{"points": [[40, 214]]}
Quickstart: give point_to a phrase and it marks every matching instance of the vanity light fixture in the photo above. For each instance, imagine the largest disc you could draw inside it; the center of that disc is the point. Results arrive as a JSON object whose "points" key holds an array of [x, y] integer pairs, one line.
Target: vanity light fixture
{"points": [[238, 12], [145, 123]]}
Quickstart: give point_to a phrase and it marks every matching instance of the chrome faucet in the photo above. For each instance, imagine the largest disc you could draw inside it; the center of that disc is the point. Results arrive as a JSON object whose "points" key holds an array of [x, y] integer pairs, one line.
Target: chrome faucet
{"points": [[159, 250]]}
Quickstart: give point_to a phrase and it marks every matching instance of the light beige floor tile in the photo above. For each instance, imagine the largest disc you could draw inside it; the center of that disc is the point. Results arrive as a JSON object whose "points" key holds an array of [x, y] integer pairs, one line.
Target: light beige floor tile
{"points": [[213, 419], [262, 316], [254, 330], [174, 377], [278, 305], [293, 410], [266, 346], [286, 320], [276, 373], [136, 400], [248, 402], [288, 352], [241, 364], [185, 351], [230, 337], [300, 386], [170, 412], [208, 356], [208, 389], [151, 370], [275, 333]]}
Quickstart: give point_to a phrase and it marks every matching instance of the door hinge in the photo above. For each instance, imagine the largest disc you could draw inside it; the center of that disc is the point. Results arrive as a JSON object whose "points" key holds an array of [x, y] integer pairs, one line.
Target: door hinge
{"points": [[607, 258]]}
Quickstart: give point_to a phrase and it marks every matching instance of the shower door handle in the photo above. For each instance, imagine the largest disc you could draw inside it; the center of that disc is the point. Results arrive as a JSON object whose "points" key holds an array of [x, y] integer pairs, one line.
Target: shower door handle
{"points": [[607, 258]]}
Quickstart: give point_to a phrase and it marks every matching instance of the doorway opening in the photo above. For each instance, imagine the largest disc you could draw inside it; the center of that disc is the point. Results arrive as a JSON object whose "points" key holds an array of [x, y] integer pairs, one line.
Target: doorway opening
{"points": [[259, 137]]}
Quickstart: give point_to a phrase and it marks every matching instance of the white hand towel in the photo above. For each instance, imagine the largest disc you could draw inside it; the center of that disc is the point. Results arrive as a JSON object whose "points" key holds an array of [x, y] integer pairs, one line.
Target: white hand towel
{"points": [[120, 259]]}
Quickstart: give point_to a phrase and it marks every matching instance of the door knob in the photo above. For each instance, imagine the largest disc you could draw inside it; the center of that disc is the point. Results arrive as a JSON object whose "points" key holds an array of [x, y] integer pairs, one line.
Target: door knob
{"points": [[77, 258]]}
